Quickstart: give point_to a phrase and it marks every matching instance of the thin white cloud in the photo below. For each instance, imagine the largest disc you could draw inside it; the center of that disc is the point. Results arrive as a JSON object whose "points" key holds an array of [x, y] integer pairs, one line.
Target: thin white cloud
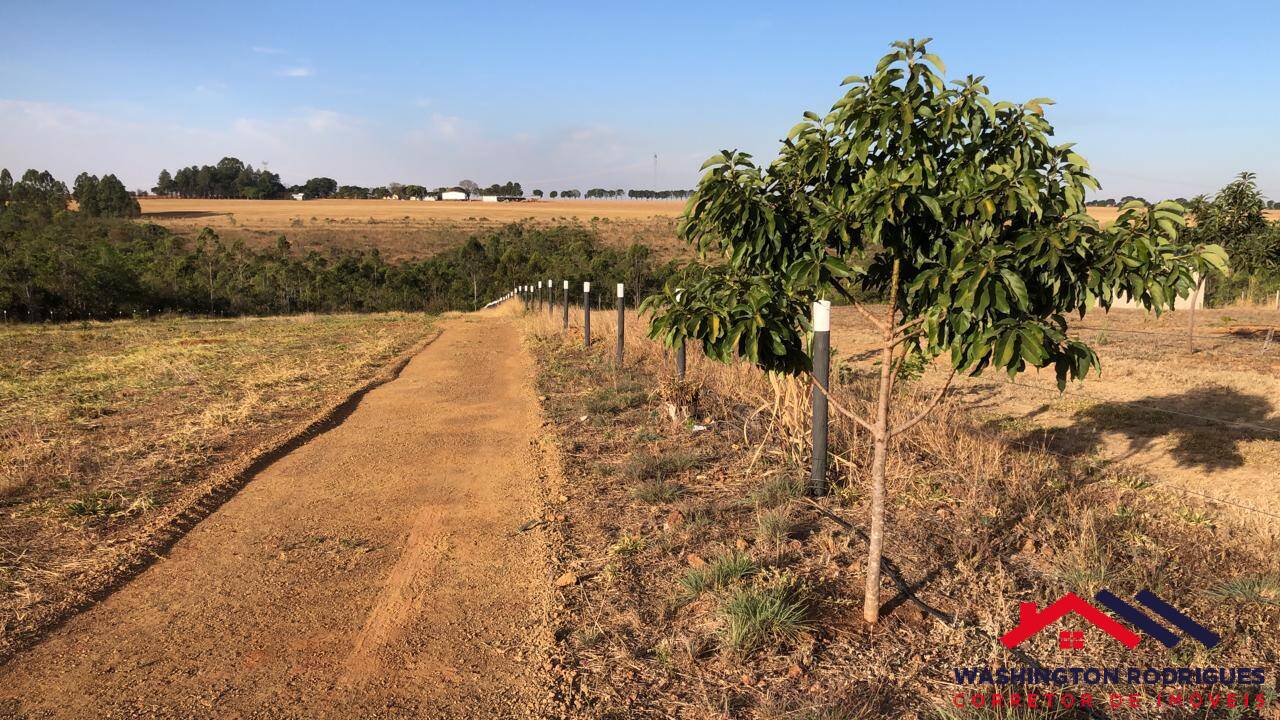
{"points": [[265, 50], [309, 142], [297, 71]]}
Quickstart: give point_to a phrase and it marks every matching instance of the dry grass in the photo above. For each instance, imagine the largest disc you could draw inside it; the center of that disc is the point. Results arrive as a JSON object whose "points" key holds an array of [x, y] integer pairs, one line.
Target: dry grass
{"points": [[1141, 408], [103, 424], [977, 524], [411, 229]]}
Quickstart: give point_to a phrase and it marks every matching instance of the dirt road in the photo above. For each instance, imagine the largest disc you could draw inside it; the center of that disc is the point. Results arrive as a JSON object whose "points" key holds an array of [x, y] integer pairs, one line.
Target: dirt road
{"points": [[376, 571]]}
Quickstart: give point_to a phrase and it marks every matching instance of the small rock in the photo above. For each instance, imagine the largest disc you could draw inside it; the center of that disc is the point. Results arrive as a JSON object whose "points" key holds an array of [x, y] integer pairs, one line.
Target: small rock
{"points": [[675, 519], [695, 560], [1029, 547], [748, 680], [564, 498], [561, 518], [741, 544], [795, 671], [582, 419], [567, 579]]}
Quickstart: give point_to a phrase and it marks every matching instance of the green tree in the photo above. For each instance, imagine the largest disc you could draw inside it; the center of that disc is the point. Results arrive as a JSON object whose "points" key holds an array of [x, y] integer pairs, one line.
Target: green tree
{"points": [[321, 187], [85, 192], [6, 185], [114, 200], [955, 209], [164, 184]]}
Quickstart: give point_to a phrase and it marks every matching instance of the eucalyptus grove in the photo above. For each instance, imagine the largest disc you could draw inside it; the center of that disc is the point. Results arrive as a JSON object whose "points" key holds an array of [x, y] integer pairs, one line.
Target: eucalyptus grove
{"points": [[959, 212]]}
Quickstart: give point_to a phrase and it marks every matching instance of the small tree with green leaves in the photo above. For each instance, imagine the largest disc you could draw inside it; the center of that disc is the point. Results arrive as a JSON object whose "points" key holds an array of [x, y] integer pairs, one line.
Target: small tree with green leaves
{"points": [[957, 211]]}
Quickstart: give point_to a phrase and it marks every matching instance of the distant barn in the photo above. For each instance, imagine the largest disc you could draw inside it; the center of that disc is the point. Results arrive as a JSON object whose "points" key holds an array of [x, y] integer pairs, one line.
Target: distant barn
{"points": [[455, 193]]}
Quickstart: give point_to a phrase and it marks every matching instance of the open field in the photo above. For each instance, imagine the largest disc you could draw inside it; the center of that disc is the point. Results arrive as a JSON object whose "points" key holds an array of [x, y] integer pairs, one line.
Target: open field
{"points": [[406, 229], [409, 229], [105, 428], [1206, 421]]}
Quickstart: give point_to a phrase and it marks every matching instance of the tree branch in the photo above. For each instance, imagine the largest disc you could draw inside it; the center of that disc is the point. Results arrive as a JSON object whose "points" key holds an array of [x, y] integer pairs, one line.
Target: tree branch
{"points": [[839, 408], [908, 325], [903, 338], [857, 305], [928, 408]]}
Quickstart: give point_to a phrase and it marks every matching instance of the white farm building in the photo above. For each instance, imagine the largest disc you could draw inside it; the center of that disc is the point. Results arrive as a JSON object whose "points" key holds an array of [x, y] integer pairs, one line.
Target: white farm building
{"points": [[455, 193]]}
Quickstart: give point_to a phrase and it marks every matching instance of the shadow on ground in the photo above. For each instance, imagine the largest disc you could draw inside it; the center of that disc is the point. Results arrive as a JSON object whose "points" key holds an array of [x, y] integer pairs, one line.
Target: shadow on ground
{"points": [[1205, 426]]}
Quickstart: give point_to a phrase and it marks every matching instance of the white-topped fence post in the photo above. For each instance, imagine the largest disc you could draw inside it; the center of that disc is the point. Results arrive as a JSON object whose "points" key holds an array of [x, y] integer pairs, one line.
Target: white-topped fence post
{"points": [[821, 353], [621, 325], [586, 314]]}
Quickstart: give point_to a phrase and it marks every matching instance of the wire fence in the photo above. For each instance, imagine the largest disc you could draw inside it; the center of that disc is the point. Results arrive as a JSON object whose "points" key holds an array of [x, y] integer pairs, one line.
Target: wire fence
{"points": [[557, 298]]}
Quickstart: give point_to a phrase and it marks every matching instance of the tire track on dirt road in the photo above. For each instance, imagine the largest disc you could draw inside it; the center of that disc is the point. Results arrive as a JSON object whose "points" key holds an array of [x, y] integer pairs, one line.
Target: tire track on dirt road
{"points": [[373, 572]]}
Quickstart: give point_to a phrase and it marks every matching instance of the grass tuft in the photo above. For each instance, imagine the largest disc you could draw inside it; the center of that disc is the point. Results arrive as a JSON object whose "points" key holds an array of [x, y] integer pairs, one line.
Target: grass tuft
{"points": [[658, 465], [772, 611], [717, 573], [1251, 588], [611, 401], [96, 503], [778, 491], [774, 527], [656, 492]]}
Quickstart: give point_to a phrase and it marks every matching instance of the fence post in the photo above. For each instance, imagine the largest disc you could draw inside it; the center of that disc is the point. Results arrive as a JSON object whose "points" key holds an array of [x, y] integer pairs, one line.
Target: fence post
{"points": [[821, 378], [621, 323], [586, 314], [680, 347], [539, 298], [566, 304]]}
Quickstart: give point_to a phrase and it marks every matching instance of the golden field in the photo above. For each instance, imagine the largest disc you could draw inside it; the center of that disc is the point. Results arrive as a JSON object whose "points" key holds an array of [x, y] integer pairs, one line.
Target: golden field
{"points": [[281, 212], [410, 229]]}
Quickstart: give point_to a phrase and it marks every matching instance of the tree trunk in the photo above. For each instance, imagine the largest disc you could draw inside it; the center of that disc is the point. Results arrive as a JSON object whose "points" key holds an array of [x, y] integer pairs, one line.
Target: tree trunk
{"points": [[1191, 322], [880, 435]]}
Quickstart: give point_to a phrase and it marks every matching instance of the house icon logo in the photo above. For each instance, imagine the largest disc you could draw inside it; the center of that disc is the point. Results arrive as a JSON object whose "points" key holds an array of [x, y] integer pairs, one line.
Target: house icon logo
{"points": [[1031, 620]]}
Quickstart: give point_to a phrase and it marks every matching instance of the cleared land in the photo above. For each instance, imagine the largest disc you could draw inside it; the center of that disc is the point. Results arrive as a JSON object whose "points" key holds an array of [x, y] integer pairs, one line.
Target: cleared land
{"points": [[1206, 421], [376, 571], [407, 229], [411, 229], [113, 434]]}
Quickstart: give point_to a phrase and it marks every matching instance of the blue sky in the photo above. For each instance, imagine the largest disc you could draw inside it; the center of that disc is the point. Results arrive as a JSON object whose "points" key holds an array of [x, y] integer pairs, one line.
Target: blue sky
{"points": [[1165, 99]]}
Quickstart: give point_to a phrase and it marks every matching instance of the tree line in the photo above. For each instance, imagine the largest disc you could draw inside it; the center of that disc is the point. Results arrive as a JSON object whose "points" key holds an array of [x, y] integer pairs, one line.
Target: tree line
{"points": [[62, 264]]}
